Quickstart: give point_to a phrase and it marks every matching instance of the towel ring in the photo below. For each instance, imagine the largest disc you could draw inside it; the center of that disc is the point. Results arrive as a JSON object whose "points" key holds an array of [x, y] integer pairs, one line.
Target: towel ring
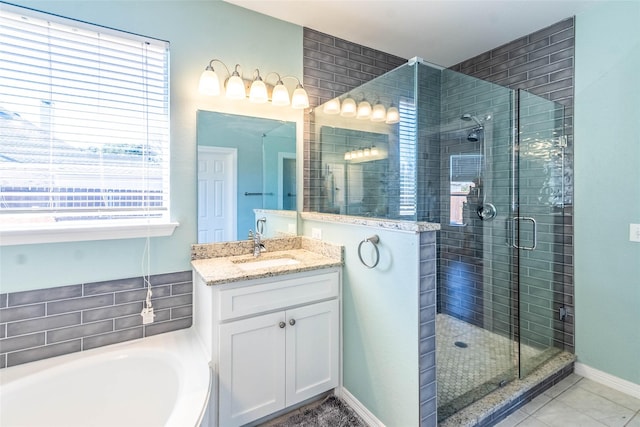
{"points": [[374, 240]]}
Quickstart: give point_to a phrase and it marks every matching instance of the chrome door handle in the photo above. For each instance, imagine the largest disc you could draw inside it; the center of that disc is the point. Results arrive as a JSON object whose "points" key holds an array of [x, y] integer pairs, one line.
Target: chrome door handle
{"points": [[535, 233]]}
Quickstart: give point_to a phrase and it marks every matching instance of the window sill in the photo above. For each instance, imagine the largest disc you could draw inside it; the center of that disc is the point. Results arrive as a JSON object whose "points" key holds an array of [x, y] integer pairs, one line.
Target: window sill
{"points": [[85, 232]]}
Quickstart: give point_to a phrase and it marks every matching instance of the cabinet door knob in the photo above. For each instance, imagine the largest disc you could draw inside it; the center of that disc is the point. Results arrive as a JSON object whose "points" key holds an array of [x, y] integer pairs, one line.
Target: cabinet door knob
{"points": [[292, 322], [282, 325]]}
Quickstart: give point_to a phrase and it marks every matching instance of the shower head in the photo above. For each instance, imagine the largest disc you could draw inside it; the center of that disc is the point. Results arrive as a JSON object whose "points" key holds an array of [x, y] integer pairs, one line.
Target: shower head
{"points": [[468, 117], [474, 135]]}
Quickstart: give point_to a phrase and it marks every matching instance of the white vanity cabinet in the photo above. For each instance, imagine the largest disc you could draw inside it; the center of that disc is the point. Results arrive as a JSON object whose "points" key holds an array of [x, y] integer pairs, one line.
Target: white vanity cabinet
{"points": [[274, 342]]}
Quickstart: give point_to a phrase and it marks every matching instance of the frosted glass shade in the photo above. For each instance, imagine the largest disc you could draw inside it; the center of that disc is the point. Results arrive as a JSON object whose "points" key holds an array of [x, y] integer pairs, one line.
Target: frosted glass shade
{"points": [[393, 116], [258, 92], [348, 108], [364, 110], [379, 113], [235, 88], [299, 99], [280, 95], [209, 83], [332, 107]]}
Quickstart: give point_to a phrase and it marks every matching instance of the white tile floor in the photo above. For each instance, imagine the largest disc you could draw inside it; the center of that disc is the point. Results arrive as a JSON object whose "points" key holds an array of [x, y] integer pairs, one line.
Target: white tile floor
{"points": [[579, 402]]}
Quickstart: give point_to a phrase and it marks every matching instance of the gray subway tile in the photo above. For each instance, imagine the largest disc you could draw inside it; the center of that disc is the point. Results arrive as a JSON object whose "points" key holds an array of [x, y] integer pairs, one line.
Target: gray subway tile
{"points": [[141, 294], [111, 338], [13, 314], [3, 300], [162, 327], [182, 288], [427, 345], [184, 311], [22, 342], [136, 320], [44, 295], [44, 352], [113, 286], [111, 312], [43, 323], [169, 278], [173, 301], [3, 361], [308, 33], [3, 330], [75, 304], [88, 329]]}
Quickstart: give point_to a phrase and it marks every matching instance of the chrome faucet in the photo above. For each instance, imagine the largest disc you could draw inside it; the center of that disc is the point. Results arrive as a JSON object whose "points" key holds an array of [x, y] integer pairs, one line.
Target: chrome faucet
{"points": [[258, 246]]}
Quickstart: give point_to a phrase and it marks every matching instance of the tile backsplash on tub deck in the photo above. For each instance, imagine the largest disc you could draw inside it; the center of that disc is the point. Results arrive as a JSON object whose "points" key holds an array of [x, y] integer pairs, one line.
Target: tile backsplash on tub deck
{"points": [[50, 322]]}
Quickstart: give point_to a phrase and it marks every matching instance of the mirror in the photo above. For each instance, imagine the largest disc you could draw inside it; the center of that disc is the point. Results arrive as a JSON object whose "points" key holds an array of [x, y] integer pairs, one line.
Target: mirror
{"points": [[244, 163], [356, 173]]}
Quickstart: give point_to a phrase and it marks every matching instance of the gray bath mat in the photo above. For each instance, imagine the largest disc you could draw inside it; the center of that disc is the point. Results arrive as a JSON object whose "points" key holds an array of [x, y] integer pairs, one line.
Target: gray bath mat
{"points": [[332, 412]]}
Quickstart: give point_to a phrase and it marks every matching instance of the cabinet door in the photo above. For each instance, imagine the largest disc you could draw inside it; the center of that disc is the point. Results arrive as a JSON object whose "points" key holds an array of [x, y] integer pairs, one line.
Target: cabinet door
{"points": [[312, 350], [251, 369]]}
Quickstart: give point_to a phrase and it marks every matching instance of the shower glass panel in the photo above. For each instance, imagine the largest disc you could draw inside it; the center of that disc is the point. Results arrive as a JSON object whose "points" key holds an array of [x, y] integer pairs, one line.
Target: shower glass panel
{"points": [[539, 228], [475, 337], [486, 163]]}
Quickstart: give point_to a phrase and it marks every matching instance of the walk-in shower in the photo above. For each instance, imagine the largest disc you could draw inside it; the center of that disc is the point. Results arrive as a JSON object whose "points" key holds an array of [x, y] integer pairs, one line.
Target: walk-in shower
{"points": [[487, 164]]}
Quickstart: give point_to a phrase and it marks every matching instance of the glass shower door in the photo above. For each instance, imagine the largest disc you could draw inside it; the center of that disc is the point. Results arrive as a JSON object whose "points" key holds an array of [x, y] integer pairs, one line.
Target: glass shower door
{"points": [[538, 228]]}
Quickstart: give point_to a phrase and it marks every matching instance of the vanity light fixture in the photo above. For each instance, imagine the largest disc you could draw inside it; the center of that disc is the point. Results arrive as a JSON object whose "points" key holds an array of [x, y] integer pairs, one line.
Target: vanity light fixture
{"points": [[364, 154], [235, 87]]}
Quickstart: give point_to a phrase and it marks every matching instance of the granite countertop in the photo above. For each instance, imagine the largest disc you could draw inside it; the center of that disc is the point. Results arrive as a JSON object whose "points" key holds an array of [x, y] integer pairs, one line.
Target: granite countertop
{"points": [[306, 255]]}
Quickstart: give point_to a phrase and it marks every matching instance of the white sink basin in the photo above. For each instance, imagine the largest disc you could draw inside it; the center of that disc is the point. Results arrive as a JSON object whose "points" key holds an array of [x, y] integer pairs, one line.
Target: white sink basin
{"points": [[257, 264]]}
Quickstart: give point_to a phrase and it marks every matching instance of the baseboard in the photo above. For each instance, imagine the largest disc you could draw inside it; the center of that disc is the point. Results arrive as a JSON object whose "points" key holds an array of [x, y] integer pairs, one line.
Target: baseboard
{"points": [[358, 407], [609, 380]]}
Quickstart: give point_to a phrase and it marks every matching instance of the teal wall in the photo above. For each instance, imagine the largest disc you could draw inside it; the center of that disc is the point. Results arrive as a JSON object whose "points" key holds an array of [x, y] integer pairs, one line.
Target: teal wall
{"points": [[380, 321], [607, 188], [198, 31]]}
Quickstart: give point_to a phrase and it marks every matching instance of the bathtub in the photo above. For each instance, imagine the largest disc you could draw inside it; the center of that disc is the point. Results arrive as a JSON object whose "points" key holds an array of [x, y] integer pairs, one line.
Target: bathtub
{"points": [[163, 380]]}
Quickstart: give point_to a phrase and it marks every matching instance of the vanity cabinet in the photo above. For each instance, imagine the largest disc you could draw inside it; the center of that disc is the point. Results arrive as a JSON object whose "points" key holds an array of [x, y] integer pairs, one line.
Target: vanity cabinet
{"points": [[275, 342]]}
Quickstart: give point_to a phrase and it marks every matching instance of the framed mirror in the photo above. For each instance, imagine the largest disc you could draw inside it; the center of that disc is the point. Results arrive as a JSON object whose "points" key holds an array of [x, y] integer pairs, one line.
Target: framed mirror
{"points": [[244, 163]]}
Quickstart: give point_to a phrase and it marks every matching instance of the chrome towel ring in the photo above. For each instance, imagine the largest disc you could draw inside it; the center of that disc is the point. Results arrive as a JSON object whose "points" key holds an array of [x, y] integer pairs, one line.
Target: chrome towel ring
{"points": [[374, 240]]}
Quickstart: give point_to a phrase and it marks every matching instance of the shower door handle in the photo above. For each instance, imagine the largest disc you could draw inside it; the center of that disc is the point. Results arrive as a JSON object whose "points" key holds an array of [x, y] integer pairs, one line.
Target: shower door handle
{"points": [[534, 231]]}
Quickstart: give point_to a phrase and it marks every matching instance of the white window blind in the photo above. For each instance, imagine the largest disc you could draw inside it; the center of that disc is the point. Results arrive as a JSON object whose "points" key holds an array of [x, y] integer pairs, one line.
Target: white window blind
{"points": [[407, 141], [465, 167], [84, 123]]}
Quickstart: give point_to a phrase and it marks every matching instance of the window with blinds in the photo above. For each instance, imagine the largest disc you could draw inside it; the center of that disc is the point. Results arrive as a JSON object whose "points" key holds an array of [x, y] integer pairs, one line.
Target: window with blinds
{"points": [[407, 140], [465, 171], [84, 123]]}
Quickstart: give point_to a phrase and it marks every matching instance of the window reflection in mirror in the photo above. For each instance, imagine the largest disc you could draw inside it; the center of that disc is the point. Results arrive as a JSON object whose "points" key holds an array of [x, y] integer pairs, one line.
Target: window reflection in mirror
{"points": [[244, 163]]}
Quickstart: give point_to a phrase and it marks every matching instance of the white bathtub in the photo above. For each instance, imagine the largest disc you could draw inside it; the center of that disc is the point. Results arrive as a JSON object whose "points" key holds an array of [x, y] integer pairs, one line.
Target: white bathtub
{"points": [[157, 381]]}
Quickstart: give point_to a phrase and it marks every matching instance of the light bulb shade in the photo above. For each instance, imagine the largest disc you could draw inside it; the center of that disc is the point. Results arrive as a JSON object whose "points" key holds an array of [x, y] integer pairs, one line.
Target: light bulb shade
{"points": [[209, 83], [347, 155], [360, 152], [374, 151], [348, 108], [364, 110], [299, 99], [379, 113], [332, 107], [393, 116], [235, 88], [258, 92], [280, 95], [367, 152]]}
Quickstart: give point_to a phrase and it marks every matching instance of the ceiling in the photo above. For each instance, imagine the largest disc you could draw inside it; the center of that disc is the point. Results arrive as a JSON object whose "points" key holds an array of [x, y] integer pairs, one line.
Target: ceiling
{"points": [[443, 32]]}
